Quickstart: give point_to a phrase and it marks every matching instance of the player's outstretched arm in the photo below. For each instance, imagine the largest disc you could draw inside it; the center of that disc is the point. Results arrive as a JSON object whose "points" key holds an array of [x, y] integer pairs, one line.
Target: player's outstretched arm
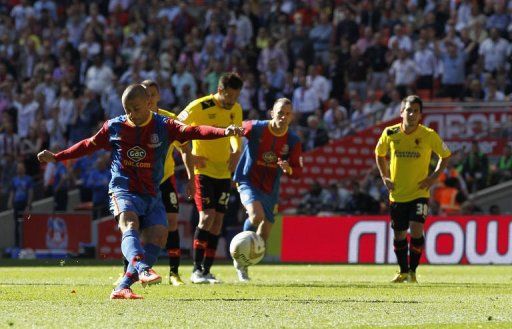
{"points": [[84, 147], [46, 156], [183, 133]]}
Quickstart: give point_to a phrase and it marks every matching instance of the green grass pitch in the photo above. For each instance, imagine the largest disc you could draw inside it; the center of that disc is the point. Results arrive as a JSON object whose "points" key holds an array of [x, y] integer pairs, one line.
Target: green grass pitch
{"points": [[72, 294]]}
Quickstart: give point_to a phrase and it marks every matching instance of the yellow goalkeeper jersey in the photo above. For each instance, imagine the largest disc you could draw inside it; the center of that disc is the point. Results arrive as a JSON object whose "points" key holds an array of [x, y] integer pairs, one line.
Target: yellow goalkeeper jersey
{"points": [[409, 159], [206, 111]]}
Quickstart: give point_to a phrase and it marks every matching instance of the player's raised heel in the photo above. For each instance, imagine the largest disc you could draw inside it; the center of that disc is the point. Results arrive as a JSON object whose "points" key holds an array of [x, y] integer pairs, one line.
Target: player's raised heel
{"points": [[149, 277], [198, 277], [125, 293], [175, 279], [412, 277], [400, 278]]}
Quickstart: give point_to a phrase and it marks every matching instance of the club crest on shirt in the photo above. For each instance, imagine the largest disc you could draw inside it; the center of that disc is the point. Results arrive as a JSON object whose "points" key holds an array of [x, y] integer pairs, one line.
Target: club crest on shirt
{"points": [[136, 153], [154, 141], [269, 157]]}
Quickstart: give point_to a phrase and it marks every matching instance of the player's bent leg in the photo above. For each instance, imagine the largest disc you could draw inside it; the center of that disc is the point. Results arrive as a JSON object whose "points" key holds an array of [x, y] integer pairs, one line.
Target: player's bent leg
{"points": [[255, 214], [155, 237], [264, 229]]}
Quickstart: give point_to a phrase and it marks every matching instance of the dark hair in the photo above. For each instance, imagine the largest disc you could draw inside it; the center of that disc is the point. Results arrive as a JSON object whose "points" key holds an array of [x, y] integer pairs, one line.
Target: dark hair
{"points": [[150, 83], [412, 99], [230, 80]]}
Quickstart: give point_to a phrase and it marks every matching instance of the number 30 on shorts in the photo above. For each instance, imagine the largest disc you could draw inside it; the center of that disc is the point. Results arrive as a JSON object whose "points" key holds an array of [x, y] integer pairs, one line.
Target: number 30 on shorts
{"points": [[422, 209]]}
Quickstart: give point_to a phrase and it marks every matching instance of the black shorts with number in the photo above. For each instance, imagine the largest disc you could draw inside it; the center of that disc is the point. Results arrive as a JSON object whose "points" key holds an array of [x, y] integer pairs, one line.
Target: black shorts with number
{"points": [[212, 193], [404, 212], [169, 195]]}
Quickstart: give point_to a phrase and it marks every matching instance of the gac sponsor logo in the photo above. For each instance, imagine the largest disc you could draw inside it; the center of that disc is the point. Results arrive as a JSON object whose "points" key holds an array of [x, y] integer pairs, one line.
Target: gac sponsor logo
{"points": [[136, 153]]}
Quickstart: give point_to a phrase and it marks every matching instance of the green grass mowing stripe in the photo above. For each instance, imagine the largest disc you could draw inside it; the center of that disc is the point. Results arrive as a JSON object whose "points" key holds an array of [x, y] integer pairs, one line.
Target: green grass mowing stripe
{"points": [[303, 296]]}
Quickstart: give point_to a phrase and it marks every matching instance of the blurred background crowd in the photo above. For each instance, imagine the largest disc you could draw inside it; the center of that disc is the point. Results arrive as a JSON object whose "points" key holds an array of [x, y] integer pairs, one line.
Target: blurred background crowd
{"points": [[345, 64]]}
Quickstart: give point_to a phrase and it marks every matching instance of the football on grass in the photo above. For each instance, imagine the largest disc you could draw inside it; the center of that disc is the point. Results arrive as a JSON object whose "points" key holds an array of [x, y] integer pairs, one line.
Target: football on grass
{"points": [[247, 248]]}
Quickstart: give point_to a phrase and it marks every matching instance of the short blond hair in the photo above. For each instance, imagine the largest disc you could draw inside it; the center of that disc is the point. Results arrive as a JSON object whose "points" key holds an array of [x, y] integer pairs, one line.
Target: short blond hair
{"points": [[132, 92]]}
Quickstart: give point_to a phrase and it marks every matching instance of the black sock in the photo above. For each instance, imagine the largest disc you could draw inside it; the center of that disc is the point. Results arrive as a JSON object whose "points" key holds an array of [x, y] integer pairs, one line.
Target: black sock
{"points": [[125, 265], [416, 249], [173, 250], [213, 241], [401, 254], [200, 244]]}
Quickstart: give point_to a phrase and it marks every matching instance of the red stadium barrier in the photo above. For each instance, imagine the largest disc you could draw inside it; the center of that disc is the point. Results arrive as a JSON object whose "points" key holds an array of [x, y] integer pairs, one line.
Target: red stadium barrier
{"points": [[63, 232], [484, 239]]}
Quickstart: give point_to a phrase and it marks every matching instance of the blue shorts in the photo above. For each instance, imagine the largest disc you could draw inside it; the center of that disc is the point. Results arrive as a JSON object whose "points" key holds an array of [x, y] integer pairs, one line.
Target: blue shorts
{"points": [[150, 209], [249, 194]]}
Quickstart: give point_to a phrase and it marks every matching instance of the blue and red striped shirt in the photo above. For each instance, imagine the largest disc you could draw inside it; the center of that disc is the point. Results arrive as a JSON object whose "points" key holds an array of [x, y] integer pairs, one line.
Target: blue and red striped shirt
{"points": [[258, 163], [138, 152]]}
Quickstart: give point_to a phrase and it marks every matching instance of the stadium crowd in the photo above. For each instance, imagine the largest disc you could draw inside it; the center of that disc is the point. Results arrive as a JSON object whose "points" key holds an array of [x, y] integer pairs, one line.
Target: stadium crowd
{"points": [[345, 64]]}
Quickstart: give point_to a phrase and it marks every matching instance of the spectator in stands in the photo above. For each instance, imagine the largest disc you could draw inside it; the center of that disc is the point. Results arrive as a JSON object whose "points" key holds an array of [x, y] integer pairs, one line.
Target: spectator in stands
{"points": [[316, 135], [305, 100], [99, 77], [272, 52], [55, 129], [494, 51], [26, 107], [502, 170], [60, 186], [98, 180], [500, 19], [357, 72], [475, 168], [87, 113], [449, 196], [319, 83], [492, 94], [9, 140], [314, 201], [372, 104], [320, 35], [376, 55], [48, 88], [403, 73], [361, 202], [454, 67], [183, 78], [400, 39], [275, 75], [426, 63], [474, 92], [393, 109], [20, 198]]}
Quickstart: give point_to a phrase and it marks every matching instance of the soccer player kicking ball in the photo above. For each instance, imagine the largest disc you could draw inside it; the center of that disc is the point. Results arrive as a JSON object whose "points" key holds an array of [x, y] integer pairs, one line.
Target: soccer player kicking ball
{"points": [[168, 190], [410, 146], [272, 150], [138, 142]]}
